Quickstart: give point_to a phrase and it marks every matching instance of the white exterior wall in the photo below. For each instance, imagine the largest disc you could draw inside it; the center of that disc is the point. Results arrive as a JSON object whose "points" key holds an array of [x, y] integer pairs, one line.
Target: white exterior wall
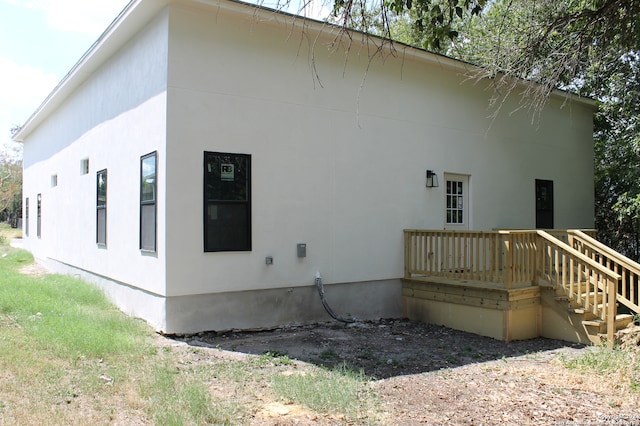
{"points": [[117, 115], [340, 165], [339, 154]]}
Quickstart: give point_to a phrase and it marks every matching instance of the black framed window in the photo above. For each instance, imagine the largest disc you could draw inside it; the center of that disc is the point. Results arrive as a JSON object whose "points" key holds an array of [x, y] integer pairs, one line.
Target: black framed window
{"points": [[39, 221], [148, 199], [101, 207], [26, 217], [227, 202]]}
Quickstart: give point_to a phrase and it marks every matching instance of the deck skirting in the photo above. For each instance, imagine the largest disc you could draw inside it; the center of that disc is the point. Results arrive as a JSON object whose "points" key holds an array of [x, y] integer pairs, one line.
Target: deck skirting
{"points": [[485, 309]]}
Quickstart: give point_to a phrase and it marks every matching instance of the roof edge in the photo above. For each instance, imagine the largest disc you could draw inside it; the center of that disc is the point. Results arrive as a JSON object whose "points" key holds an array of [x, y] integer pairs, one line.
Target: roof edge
{"points": [[138, 12]]}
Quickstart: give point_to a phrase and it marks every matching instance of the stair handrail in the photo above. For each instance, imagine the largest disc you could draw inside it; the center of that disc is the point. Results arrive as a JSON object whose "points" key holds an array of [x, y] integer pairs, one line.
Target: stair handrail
{"points": [[584, 258], [618, 258], [611, 253], [609, 287]]}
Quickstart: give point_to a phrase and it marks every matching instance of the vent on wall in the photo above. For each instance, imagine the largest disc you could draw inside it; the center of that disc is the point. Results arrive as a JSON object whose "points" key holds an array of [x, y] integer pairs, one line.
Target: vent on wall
{"points": [[54, 180]]}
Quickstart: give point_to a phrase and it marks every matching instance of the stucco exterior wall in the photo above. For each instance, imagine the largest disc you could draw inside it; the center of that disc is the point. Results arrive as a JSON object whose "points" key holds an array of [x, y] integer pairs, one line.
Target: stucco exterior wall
{"points": [[114, 117], [340, 145]]}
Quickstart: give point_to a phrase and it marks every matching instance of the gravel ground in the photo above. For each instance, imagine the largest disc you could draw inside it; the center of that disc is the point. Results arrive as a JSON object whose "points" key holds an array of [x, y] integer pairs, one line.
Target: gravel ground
{"points": [[427, 374]]}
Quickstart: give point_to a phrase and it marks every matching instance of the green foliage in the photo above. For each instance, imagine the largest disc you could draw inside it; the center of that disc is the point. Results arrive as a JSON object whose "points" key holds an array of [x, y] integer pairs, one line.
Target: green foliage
{"points": [[435, 20], [10, 186], [616, 82]]}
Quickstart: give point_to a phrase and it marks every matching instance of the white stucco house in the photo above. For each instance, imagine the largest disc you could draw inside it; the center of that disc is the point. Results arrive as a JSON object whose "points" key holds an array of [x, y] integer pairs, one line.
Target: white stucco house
{"points": [[206, 158]]}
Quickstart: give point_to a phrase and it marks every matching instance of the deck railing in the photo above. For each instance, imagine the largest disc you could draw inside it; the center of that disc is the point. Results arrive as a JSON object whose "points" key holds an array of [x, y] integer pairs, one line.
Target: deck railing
{"points": [[501, 257], [512, 259], [628, 289]]}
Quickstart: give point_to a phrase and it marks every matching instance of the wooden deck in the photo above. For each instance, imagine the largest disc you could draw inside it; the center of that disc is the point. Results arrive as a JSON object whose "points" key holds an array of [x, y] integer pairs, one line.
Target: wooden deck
{"points": [[500, 283]]}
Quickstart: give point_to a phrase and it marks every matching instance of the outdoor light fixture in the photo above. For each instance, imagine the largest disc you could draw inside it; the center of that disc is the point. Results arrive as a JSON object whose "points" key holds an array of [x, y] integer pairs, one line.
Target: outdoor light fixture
{"points": [[432, 179]]}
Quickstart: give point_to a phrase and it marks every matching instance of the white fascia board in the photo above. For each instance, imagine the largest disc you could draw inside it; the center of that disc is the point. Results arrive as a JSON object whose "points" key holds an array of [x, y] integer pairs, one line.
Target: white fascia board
{"points": [[138, 12], [133, 17]]}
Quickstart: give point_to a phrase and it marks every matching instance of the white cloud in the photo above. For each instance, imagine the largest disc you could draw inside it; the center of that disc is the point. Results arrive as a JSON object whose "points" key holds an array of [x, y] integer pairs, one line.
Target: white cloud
{"points": [[23, 85], [82, 16], [22, 89]]}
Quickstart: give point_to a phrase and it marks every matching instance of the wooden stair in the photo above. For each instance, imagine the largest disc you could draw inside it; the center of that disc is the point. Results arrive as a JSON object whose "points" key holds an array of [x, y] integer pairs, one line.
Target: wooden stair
{"points": [[595, 327]]}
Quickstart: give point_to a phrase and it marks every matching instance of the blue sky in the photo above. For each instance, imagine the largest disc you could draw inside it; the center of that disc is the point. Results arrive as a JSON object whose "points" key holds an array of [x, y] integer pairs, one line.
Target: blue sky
{"points": [[40, 40]]}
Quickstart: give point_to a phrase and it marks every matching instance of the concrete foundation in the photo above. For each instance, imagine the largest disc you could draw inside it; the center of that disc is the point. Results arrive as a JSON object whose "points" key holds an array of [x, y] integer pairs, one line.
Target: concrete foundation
{"points": [[245, 310]]}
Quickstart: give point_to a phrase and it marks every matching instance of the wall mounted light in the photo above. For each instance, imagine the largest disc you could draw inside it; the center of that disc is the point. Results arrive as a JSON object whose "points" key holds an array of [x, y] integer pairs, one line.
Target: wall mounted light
{"points": [[432, 179]]}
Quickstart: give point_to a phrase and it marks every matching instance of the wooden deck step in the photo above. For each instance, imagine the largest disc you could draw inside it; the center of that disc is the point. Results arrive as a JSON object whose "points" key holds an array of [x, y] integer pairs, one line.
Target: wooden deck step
{"points": [[622, 320]]}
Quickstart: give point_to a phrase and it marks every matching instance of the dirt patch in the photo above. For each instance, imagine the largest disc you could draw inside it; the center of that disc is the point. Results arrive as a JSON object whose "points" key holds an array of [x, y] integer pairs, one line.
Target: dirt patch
{"points": [[34, 270], [382, 349], [427, 374]]}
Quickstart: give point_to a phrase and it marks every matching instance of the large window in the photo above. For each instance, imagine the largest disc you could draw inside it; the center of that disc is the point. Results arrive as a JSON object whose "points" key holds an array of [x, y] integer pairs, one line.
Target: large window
{"points": [[39, 222], [101, 208], [148, 199], [227, 202]]}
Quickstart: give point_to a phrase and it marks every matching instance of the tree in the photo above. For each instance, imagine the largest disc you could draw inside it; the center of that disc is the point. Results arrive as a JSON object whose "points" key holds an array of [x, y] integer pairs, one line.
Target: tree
{"points": [[589, 47], [10, 189], [549, 43], [10, 183], [604, 67], [617, 153]]}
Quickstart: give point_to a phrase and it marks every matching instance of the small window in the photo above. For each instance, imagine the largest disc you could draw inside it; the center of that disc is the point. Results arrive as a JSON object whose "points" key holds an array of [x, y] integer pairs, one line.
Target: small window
{"points": [[39, 219], [26, 217], [101, 208], [455, 202], [227, 202], [84, 166], [148, 198], [54, 180]]}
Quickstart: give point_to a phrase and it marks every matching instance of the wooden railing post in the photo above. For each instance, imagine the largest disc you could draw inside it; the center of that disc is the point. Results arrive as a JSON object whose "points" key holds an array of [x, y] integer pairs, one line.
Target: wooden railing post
{"points": [[407, 253], [508, 253], [611, 310]]}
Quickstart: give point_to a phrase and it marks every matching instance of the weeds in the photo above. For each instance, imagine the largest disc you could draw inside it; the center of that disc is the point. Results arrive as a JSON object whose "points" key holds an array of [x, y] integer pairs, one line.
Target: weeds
{"points": [[339, 390], [625, 363]]}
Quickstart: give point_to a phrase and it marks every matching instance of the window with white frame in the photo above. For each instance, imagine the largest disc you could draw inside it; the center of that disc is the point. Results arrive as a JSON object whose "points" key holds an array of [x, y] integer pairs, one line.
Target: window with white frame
{"points": [[455, 202]]}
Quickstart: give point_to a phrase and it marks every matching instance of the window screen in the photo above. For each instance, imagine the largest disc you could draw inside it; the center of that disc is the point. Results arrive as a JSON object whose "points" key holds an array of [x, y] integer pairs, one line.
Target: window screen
{"points": [[227, 202]]}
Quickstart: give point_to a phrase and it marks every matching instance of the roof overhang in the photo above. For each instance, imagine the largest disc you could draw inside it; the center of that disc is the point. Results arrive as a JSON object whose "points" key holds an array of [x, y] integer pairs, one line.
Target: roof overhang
{"points": [[137, 13]]}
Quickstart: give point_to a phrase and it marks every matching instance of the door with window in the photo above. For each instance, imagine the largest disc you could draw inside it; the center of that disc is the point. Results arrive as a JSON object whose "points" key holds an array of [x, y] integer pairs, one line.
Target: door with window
{"points": [[456, 197], [544, 204]]}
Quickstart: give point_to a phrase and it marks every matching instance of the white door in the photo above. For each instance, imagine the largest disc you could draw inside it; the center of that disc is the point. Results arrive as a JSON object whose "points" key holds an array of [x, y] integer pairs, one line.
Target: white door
{"points": [[456, 202]]}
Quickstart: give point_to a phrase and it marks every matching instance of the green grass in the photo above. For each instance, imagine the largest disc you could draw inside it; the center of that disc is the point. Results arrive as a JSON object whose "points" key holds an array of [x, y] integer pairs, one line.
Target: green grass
{"points": [[63, 315], [69, 357], [181, 397], [62, 345], [339, 390]]}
